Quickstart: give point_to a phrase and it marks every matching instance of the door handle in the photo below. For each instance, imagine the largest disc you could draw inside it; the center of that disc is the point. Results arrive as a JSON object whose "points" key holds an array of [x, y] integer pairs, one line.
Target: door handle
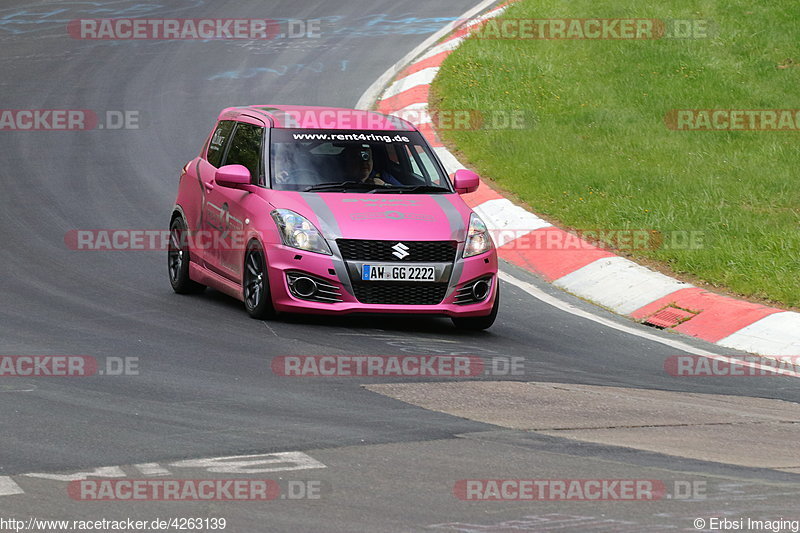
{"points": [[209, 186]]}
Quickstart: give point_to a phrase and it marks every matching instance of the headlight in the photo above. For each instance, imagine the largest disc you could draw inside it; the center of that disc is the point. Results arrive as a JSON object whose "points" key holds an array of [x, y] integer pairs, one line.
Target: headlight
{"points": [[298, 232], [478, 238]]}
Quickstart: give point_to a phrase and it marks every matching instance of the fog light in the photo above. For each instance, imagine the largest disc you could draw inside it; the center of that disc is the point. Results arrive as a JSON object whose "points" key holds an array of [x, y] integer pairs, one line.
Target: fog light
{"points": [[305, 287], [480, 290]]}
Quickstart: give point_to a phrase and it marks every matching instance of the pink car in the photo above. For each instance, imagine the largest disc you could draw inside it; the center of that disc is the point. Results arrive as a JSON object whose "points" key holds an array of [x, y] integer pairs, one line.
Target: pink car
{"points": [[331, 211]]}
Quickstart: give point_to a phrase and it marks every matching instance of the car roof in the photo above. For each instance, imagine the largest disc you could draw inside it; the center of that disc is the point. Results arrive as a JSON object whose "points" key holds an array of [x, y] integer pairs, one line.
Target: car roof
{"points": [[317, 117]]}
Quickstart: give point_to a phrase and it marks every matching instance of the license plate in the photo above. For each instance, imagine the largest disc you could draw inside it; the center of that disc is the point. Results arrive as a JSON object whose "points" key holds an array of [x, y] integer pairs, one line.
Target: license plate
{"points": [[398, 273]]}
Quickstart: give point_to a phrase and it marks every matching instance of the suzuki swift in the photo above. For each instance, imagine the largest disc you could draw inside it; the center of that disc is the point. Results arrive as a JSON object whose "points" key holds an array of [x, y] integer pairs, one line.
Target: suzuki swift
{"points": [[297, 209]]}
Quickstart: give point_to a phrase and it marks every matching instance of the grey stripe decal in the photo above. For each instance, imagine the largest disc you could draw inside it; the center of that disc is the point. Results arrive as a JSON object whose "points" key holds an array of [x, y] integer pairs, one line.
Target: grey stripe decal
{"points": [[330, 231], [458, 232], [341, 268], [458, 268], [330, 226]]}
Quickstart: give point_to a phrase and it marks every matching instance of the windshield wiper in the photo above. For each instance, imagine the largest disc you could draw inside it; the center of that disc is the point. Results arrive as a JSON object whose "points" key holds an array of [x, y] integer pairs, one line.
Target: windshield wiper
{"points": [[414, 188], [332, 186]]}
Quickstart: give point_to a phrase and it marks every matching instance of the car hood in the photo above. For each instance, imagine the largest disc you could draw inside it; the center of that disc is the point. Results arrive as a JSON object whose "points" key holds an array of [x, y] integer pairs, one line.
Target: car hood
{"points": [[418, 217]]}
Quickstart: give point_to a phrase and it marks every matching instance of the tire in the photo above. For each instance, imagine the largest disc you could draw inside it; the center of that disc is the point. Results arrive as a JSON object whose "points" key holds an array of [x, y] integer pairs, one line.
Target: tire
{"points": [[178, 259], [479, 323], [255, 284]]}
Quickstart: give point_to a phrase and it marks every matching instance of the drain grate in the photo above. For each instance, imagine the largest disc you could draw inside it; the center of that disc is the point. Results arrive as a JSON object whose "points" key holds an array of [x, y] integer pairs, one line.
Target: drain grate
{"points": [[669, 317]]}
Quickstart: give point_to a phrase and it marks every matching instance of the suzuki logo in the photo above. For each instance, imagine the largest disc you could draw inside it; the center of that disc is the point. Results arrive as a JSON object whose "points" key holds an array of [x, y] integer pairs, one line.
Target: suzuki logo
{"points": [[400, 250]]}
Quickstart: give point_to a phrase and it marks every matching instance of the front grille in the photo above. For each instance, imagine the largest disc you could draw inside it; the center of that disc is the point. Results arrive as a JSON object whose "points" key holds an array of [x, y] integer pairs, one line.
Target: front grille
{"points": [[418, 251], [398, 293]]}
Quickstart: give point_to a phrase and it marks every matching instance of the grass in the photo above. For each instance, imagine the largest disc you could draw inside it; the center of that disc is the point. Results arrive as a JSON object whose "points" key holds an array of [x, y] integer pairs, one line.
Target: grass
{"points": [[601, 156]]}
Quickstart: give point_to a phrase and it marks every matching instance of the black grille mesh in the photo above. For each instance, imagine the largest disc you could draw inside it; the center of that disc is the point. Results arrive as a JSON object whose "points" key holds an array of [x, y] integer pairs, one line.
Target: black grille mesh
{"points": [[418, 251], [398, 293]]}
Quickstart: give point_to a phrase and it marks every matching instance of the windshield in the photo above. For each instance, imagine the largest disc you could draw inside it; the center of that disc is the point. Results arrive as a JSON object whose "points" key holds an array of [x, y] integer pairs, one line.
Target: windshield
{"points": [[367, 161]]}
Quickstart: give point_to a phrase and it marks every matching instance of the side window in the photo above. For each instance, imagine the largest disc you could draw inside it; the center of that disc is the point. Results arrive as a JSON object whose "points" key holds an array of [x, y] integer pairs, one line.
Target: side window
{"points": [[246, 149], [219, 140]]}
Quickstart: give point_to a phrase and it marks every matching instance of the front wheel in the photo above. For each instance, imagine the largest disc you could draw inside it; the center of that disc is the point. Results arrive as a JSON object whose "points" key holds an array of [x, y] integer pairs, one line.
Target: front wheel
{"points": [[255, 285], [178, 260], [478, 323]]}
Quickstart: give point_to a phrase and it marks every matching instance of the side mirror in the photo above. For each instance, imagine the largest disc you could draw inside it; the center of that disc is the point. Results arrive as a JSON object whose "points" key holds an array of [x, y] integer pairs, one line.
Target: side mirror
{"points": [[465, 181], [233, 176]]}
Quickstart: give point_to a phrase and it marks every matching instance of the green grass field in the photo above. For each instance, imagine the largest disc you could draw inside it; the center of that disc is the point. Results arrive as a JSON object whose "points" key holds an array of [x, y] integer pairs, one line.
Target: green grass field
{"points": [[600, 154]]}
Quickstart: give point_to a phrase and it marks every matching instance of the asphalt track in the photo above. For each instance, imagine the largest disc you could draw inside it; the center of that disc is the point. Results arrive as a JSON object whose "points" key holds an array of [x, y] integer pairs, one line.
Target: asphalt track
{"points": [[205, 387]]}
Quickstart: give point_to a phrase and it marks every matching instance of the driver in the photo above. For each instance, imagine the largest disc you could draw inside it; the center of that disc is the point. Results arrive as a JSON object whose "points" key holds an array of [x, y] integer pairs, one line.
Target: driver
{"points": [[359, 166]]}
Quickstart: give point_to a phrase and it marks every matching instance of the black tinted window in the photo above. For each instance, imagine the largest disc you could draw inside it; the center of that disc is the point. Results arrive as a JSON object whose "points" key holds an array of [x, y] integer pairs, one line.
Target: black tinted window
{"points": [[246, 148], [219, 140]]}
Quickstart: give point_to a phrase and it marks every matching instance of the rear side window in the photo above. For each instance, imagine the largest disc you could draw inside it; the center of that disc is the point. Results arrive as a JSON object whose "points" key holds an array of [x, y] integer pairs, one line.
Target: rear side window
{"points": [[219, 140], [245, 149]]}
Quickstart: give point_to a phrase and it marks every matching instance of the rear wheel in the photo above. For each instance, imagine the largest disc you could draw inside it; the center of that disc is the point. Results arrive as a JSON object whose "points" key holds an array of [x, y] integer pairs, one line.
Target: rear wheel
{"points": [[255, 285], [478, 323], [178, 260]]}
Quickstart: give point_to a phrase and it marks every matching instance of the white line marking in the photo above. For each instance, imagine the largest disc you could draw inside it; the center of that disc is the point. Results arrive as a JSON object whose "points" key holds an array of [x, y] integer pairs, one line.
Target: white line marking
{"points": [[152, 469], [8, 487], [270, 329], [253, 464], [103, 471]]}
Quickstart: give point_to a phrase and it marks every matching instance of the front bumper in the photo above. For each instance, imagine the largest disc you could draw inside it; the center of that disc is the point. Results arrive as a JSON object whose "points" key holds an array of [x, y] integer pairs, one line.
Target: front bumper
{"points": [[285, 264]]}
